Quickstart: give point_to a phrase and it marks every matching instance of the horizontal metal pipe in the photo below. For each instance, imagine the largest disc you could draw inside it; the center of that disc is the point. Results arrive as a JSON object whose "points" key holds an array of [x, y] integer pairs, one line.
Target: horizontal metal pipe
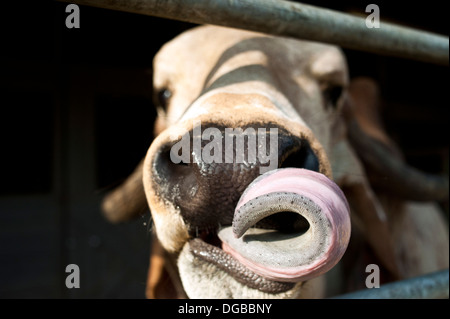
{"points": [[430, 286], [296, 20]]}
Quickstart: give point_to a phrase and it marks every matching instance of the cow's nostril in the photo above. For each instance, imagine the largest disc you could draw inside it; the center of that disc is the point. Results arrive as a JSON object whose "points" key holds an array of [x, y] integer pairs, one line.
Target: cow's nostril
{"points": [[183, 164], [300, 157], [178, 177]]}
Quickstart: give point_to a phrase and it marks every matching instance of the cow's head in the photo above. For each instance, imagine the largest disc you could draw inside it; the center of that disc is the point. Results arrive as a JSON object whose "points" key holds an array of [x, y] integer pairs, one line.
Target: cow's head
{"points": [[283, 96], [252, 130]]}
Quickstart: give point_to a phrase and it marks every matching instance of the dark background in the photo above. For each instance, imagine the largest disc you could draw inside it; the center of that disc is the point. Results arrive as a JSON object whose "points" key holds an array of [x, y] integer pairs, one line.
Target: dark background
{"points": [[76, 116]]}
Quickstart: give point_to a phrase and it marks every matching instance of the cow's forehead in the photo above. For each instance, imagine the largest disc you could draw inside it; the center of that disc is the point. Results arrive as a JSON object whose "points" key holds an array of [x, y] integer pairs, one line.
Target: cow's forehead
{"points": [[202, 48]]}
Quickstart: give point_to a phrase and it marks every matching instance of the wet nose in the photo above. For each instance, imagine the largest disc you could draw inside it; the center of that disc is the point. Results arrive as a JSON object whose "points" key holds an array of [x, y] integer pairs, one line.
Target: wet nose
{"points": [[207, 169]]}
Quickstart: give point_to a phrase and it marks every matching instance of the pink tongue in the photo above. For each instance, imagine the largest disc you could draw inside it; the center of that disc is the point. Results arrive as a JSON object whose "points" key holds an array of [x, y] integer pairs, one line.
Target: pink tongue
{"points": [[289, 256]]}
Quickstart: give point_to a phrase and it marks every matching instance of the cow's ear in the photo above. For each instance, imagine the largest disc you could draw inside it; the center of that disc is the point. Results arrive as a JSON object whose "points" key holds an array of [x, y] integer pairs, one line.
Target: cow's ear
{"points": [[127, 201]]}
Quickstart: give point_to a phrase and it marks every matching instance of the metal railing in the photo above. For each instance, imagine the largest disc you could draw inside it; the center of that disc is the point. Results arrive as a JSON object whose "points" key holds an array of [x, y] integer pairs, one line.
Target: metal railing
{"points": [[430, 286], [296, 20]]}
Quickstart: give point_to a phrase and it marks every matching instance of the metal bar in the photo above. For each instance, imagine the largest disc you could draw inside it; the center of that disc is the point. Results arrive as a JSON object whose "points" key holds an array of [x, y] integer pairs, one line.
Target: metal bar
{"points": [[431, 286], [296, 20]]}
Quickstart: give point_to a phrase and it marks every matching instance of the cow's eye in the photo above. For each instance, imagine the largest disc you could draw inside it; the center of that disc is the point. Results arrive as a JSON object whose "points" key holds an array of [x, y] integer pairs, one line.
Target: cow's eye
{"points": [[332, 94], [163, 97]]}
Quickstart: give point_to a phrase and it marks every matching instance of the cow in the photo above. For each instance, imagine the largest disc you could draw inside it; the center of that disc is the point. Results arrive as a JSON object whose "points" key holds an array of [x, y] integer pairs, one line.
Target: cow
{"points": [[327, 148]]}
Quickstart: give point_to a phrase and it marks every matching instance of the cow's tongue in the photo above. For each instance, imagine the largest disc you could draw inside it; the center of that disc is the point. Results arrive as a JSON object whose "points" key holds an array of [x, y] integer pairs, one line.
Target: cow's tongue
{"points": [[309, 246]]}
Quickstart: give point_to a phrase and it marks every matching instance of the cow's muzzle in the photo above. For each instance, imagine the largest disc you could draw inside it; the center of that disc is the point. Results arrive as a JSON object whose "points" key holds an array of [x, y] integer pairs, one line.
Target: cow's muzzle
{"points": [[205, 172], [266, 226]]}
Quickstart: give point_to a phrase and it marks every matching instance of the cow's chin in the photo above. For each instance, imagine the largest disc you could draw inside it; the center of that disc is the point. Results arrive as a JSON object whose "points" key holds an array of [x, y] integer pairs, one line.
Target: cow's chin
{"points": [[203, 279]]}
